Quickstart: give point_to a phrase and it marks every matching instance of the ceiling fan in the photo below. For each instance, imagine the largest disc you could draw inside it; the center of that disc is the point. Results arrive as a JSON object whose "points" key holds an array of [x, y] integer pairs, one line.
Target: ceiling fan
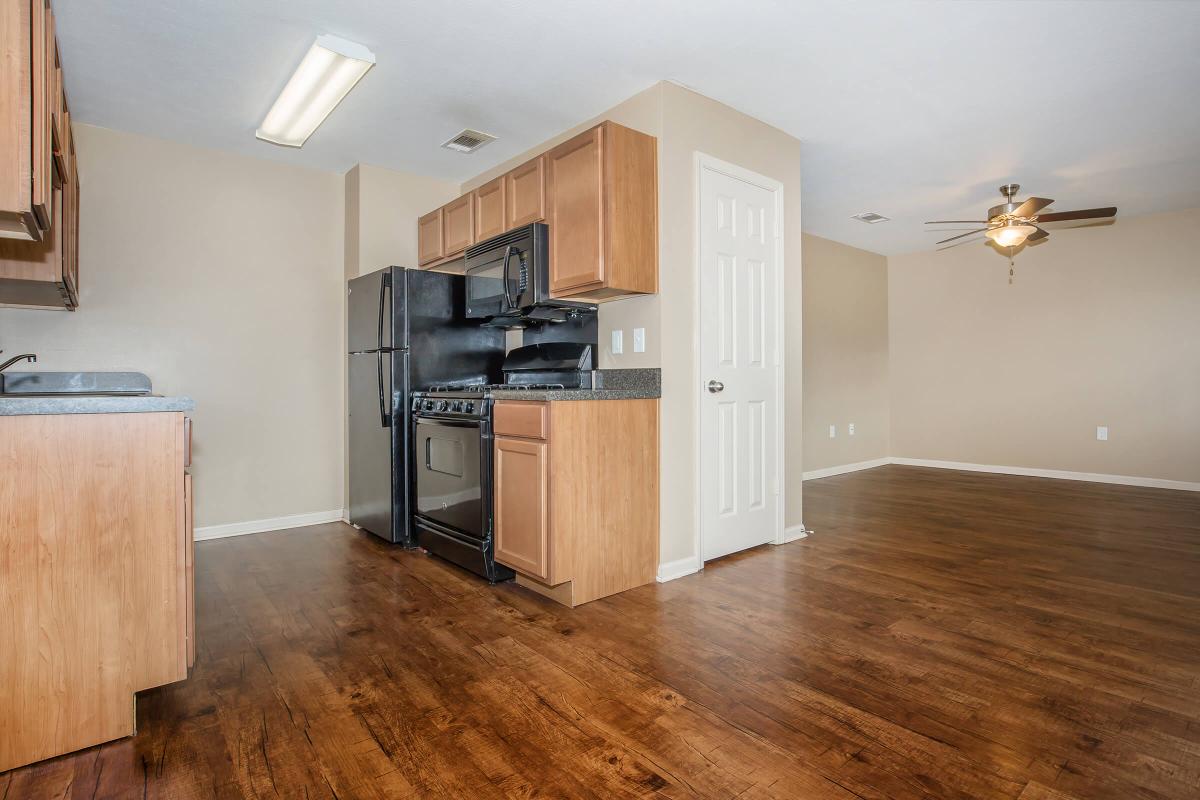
{"points": [[1012, 224]]}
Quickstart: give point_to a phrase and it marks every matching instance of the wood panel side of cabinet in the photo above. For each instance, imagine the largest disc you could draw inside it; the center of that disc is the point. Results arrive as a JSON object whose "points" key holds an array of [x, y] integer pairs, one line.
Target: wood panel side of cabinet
{"points": [[490, 209], [17, 217], [431, 245], [43, 79], [458, 225], [189, 527], [575, 210], [526, 193], [92, 548], [631, 210]]}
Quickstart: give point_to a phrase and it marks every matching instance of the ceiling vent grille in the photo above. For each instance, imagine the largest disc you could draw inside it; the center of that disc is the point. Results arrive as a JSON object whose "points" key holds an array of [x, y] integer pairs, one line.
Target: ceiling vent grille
{"points": [[468, 141], [870, 217]]}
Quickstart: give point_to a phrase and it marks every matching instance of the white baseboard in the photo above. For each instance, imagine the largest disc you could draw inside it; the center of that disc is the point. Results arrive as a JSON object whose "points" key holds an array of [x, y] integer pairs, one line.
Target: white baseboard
{"points": [[844, 468], [273, 524], [678, 569], [1033, 472], [795, 532]]}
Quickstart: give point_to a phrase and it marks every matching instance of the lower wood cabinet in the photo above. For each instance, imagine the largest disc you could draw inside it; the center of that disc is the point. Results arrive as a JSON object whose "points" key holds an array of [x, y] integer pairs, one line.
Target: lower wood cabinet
{"points": [[576, 495], [96, 591]]}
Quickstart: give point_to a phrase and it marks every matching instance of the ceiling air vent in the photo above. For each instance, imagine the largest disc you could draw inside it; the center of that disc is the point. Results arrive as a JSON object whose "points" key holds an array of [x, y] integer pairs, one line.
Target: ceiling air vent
{"points": [[870, 217], [468, 141]]}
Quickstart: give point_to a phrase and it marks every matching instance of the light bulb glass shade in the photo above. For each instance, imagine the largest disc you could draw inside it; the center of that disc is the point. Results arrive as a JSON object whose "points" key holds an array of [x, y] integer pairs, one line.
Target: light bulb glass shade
{"points": [[328, 72], [1010, 235]]}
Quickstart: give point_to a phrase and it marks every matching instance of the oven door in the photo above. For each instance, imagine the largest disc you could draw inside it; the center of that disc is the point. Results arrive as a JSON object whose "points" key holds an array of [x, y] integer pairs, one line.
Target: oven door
{"points": [[498, 280], [449, 482]]}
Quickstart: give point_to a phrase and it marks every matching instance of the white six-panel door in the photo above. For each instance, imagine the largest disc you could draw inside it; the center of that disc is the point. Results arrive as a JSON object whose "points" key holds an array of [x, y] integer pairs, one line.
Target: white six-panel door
{"points": [[740, 360]]}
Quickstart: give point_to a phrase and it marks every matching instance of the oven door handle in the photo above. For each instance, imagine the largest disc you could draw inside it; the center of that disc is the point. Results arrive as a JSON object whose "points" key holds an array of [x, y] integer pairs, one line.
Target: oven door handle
{"points": [[509, 303]]}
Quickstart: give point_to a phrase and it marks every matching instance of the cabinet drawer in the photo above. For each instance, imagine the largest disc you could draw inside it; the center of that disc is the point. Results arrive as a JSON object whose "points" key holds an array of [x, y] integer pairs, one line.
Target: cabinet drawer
{"points": [[523, 418]]}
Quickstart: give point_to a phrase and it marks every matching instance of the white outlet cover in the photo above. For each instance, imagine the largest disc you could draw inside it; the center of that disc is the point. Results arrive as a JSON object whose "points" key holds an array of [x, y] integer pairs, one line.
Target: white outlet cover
{"points": [[618, 342], [1102, 433], [850, 429], [639, 340], [833, 431]]}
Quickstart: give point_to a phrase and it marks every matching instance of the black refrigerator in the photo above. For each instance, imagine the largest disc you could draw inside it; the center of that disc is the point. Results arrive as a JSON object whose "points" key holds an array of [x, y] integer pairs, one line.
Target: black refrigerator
{"points": [[405, 331]]}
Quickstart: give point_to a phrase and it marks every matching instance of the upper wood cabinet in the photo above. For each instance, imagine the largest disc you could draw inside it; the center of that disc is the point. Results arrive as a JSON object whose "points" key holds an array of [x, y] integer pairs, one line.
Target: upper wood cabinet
{"points": [[39, 182], [602, 208], [597, 192], [490, 209], [526, 193], [431, 244]]}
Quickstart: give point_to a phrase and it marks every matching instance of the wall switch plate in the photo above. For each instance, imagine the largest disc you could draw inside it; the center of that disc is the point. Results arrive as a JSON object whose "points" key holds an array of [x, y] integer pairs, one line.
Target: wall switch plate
{"points": [[1102, 433], [618, 342], [639, 340], [833, 431], [850, 429]]}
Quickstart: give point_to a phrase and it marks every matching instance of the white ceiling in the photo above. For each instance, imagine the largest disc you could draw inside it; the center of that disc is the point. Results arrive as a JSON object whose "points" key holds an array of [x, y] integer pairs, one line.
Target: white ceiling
{"points": [[915, 110]]}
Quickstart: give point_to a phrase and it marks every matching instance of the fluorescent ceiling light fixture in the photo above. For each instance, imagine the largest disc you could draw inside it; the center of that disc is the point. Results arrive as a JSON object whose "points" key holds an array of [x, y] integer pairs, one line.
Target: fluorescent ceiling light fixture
{"points": [[328, 72]]}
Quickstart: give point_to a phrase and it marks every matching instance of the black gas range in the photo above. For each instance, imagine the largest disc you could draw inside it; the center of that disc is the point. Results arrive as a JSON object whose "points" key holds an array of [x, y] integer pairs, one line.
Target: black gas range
{"points": [[452, 438]]}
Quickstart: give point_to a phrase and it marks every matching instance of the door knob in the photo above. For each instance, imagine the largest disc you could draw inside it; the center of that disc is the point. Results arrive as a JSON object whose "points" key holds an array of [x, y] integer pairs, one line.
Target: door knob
{"points": [[716, 386]]}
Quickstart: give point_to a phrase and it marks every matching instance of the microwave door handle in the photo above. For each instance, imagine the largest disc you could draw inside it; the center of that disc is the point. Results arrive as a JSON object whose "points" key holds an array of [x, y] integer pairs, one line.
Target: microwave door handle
{"points": [[508, 301]]}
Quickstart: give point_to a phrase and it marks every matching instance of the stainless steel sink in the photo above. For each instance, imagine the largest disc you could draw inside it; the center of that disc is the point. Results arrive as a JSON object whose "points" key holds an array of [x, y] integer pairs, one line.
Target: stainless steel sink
{"points": [[73, 384]]}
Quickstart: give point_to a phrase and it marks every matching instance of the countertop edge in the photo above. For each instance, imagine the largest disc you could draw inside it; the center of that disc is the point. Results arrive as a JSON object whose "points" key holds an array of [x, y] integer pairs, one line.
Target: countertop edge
{"points": [[32, 406], [577, 394]]}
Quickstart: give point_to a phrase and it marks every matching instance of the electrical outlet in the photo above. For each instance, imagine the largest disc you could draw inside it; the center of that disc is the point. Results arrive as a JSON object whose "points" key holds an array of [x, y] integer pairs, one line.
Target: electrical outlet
{"points": [[850, 429], [833, 431], [639, 340], [1102, 433], [618, 342]]}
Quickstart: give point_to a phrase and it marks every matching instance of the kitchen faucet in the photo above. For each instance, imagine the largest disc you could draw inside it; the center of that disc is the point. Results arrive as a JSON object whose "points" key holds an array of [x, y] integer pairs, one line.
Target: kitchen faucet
{"points": [[30, 357]]}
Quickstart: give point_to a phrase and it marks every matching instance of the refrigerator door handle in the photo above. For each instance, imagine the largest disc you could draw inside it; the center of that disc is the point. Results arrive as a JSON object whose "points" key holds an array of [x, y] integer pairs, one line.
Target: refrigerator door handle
{"points": [[385, 286], [385, 416]]}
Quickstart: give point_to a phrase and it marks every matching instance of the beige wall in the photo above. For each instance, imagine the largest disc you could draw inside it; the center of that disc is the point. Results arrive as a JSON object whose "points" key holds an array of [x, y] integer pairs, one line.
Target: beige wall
{"points": [[685, 123], [1101, 327], [221, 278], [845, 375], [382, 207]]}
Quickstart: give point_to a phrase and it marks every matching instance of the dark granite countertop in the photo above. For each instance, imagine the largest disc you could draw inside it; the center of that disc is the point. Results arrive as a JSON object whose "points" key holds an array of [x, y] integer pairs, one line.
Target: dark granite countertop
{"points": [[91, 404]]}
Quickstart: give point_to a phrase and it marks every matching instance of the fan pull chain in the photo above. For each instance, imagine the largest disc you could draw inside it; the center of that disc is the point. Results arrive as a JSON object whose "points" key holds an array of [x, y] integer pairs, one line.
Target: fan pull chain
{"points": [[1010, 266]]}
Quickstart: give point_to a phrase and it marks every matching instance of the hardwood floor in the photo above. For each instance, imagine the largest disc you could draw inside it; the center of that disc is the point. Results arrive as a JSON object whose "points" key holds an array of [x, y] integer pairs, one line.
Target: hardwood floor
{"points": [[941, 635]]}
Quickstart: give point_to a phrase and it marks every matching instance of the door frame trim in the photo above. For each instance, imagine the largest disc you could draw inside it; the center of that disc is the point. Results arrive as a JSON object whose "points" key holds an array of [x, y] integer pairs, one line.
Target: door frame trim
{"points": [[703, 161]]}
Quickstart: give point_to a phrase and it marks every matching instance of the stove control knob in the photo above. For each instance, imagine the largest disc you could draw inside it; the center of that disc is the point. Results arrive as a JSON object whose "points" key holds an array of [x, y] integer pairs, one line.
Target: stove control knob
{"points": [[442, 405], [456, 406], [469, 407], [429, 405]]}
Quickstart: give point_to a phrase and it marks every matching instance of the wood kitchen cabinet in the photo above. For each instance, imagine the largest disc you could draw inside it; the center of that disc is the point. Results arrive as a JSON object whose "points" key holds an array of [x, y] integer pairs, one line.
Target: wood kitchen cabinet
{"points": [[576, 495], [526, 193], [97, 588], [39, 182], [602, 209], [490, 210], [597, 192]]}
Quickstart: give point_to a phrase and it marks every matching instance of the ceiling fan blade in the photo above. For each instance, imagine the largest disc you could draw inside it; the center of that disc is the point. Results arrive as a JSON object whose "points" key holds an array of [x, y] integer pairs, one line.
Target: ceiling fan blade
{"points": [[1086, 213], [1037, 236], [961, 235], [1031, 207], [958, 221]]}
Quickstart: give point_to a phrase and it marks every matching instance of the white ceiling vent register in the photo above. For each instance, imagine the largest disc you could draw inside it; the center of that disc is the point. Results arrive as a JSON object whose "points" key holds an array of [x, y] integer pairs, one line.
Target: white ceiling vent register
{"points": [[870, 217], [468, 141]]}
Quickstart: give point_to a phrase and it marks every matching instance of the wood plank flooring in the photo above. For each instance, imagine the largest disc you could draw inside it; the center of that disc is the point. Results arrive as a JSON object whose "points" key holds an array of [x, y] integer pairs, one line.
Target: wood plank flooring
{"points": [[941, 635]]}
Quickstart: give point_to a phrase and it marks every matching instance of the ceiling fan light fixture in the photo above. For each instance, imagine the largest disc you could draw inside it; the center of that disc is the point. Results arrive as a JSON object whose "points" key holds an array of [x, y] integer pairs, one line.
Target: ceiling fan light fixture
{"points": [[1011, 234]]}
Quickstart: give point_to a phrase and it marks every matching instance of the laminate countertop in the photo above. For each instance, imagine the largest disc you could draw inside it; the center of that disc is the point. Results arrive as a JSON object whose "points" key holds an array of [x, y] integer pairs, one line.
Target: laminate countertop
{"points": [[11, 406]]}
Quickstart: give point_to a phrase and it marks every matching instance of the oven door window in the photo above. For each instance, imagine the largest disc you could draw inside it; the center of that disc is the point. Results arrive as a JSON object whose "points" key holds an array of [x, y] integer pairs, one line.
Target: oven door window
{"points": [[449, 489], [485, 282]]}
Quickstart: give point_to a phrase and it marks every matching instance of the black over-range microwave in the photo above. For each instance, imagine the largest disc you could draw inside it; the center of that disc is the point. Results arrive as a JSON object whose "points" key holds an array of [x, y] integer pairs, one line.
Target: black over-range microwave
{"points": [[508, 278]]}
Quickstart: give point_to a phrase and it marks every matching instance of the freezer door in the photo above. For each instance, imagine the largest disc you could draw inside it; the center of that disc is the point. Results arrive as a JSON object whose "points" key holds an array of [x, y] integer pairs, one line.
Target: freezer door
{"points": [[371, 445], [369, 312]]}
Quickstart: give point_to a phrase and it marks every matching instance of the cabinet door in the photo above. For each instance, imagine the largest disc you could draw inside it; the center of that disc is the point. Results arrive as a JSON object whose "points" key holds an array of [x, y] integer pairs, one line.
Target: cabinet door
{"points": [[458, 225], [575, 212], [430, 244], [526, 193], [489, 209], [521, 506], [189, 560], [43, 81]]}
